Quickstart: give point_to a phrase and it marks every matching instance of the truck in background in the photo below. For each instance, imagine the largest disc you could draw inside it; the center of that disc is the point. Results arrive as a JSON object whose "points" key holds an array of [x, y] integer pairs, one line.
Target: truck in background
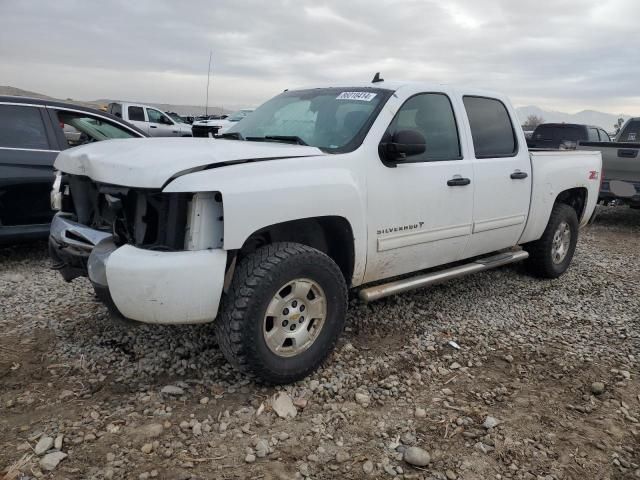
{"points": [[620, 164], [150, 120]]}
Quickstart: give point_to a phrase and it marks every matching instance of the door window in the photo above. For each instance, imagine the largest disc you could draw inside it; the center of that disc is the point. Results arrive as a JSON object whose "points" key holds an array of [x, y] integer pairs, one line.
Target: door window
{"points": [[491, 129], [22, 127], [136, 114], [431, 115], [156, 116], [79, 128], [592, 135]]}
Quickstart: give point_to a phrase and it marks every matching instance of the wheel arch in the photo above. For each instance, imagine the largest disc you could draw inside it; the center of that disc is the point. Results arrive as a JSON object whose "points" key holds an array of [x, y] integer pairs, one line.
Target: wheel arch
{"points": [[332, 235], [576, 198]]}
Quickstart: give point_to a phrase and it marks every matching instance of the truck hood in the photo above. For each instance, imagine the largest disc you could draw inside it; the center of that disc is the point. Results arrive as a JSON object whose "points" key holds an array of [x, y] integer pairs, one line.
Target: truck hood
{"points": [[151, 162]]}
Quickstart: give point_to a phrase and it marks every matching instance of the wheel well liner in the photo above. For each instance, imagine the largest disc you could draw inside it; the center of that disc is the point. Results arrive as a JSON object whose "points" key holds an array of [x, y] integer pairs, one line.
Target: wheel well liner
{"points": [[576, 198], [331, 235]]}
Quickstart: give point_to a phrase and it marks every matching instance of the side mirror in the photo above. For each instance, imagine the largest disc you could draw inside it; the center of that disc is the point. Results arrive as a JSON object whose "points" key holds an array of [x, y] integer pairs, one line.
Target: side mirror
{"points": [[403, 144]]}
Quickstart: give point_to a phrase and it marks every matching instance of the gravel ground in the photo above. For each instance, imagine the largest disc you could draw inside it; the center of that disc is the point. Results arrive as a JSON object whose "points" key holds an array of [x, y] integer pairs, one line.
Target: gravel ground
{"points": [[540, 382]]}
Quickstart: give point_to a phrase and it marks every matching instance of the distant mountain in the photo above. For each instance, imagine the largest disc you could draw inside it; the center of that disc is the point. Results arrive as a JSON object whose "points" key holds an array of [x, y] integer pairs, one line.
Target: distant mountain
{"points": [[18, 92], [103, 102], [588, 117]]}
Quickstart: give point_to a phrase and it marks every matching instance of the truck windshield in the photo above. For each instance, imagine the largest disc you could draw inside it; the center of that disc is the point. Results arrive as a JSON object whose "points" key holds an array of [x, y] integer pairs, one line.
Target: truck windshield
{"points": [[631, 132], [333, 119]]}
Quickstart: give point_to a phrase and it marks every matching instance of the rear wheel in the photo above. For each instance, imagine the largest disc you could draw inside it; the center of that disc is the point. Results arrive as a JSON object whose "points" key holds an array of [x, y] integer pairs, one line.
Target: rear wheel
{"points": [[550, 256], [283, 313]]}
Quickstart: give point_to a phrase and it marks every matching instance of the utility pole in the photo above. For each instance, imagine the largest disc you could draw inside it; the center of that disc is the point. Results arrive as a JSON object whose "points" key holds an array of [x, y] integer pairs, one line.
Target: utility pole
{"points": [[206, 105]]}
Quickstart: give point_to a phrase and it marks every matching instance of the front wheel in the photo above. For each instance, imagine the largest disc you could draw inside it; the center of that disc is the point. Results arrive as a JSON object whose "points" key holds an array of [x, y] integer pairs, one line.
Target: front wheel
{"points": [[550, 256], [283, 313]]}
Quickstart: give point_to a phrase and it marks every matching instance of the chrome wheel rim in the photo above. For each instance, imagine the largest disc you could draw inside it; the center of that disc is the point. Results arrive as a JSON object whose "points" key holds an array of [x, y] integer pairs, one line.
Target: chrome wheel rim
{"points": [[294, 317], [561, 242]]}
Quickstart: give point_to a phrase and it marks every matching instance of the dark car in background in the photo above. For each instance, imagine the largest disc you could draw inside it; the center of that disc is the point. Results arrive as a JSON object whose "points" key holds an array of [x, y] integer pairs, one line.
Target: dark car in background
{"points": [[565, 136], [32, 133]]}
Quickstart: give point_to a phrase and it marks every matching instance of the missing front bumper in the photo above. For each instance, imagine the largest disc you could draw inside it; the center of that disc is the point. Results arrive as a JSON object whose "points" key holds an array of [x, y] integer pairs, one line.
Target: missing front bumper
{"points": [[145, 285]]}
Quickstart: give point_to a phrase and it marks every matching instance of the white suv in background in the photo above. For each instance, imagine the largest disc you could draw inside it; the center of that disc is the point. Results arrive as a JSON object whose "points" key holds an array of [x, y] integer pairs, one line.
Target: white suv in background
{"points": [[150, 120], [211, 127]]}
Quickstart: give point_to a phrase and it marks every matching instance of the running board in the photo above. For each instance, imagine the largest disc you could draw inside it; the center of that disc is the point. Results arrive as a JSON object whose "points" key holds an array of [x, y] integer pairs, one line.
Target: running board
{"points": [[380, 291]]}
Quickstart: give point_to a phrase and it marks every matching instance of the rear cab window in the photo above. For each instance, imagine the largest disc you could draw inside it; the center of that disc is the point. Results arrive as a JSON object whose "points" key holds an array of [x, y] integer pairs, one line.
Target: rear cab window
{"points": [[491, 128], [604, 136], [22, 127], [592, 134], [115, 109]]}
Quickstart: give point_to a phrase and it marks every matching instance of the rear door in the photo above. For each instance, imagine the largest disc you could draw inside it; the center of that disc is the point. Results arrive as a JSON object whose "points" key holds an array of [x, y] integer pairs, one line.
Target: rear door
{"points": [[28, 149], [136, 115], [502, 173]]}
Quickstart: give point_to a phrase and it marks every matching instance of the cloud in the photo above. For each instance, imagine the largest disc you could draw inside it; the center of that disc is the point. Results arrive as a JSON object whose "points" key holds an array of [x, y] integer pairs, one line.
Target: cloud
{"points": [[562, 54]]}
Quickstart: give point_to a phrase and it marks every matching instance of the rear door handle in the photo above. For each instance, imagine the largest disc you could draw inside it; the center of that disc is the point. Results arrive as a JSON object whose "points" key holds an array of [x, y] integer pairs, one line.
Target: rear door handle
{"points": [[153, 126], [518, 175], [458, 182]]}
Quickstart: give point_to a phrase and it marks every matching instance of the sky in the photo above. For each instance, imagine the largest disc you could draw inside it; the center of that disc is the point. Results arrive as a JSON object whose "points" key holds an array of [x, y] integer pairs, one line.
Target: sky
{"points": [[566, 55]]}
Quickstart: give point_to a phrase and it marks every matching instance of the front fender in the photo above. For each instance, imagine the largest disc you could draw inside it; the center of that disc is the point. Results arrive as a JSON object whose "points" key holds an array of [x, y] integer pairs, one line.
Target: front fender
{"points": [[257, 195]]}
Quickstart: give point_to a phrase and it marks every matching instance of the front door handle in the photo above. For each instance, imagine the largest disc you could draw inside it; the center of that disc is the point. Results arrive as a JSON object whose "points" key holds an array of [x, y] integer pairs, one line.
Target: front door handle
{"points": [[153, 126], [458, 182], [518, 175]]}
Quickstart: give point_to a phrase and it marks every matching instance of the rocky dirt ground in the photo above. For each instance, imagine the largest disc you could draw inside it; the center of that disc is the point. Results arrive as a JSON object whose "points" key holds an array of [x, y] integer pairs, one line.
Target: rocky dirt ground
{"points": [[541, 382]]}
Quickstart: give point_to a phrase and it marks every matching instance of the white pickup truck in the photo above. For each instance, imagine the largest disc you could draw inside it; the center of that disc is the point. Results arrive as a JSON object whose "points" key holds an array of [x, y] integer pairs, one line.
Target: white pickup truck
{"points": [[264, 230], [150, 120]]}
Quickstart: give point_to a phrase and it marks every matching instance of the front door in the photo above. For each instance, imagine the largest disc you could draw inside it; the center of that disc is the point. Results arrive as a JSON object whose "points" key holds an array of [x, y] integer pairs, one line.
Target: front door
{"points": [[160, 125], [420, 210], [502, 173]]}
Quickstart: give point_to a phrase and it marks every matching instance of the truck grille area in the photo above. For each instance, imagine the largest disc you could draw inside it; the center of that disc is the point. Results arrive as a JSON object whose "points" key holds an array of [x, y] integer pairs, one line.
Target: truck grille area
{"points": [[141, 217], [204, 130]]}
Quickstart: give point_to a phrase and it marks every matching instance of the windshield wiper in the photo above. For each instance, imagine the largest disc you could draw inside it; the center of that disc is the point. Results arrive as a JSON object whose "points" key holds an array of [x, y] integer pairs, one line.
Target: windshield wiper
{"points": [[279, 138], [232, 135]]}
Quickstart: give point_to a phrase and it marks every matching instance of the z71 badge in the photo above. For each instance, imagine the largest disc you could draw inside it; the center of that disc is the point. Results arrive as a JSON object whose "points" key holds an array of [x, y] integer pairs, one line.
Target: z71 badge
{"points": [[402, 228]]}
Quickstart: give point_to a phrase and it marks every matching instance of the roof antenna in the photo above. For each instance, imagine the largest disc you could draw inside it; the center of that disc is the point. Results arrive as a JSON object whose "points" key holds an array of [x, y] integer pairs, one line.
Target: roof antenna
{"points": [[377, 78]]}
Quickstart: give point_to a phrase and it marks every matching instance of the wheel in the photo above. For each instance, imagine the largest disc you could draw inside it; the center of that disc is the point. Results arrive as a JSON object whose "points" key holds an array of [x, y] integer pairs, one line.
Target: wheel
{"points": [[283, 313], [550, 256]]}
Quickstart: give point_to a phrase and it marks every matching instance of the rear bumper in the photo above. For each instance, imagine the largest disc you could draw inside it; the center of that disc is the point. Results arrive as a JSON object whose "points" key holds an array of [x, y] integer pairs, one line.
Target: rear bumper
{"points": [[145, 285], [624, 191]]}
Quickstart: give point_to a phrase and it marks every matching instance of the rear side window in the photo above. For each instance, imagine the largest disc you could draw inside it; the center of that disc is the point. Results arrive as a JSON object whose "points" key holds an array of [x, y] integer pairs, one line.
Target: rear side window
{"points": [[430, 114], [136, 114], [22, 127], [491, 129]]}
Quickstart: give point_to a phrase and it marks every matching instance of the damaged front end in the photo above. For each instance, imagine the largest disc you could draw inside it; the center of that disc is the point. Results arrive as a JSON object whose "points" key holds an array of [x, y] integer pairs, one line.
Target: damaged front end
{"points": [[157, 257], [99, 218]]}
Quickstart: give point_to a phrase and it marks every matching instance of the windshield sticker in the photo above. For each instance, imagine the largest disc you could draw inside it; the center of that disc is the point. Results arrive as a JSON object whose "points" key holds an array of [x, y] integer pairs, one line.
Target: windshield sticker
{"points": [[363, 96]]}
